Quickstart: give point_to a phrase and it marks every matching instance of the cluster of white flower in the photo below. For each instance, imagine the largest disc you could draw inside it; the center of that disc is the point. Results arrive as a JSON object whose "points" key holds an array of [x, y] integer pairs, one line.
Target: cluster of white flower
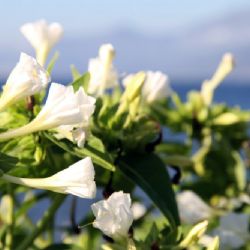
{"points": [[69, 113]]}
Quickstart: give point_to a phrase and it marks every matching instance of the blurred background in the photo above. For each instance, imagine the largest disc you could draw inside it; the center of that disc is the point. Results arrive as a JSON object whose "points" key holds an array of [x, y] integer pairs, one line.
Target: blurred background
{"points": [[184, 39]]}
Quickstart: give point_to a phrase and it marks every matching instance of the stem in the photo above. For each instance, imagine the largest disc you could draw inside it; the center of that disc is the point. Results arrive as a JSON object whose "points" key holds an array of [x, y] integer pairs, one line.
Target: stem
{"points": [[30, 103], [3, 104], [43, 223], [108, 189], [51, 226], [75, 227], [11, 220]]}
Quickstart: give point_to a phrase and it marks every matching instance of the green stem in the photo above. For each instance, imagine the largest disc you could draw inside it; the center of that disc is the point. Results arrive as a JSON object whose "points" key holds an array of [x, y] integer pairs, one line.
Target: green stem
{"points": [[43, 223], [3, 104], [51, 227], [11, 220]]}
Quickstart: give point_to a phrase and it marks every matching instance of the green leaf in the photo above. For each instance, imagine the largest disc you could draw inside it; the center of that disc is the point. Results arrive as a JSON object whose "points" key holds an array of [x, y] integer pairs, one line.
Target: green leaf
{"points": [[178, 103], [152, 235], [178, 160], [171, 237], [93, 148], [149, 172], [172, 147], [100, 158], [75, 73], [52, 62], [95, 142], [7, 162], [81, 81]]}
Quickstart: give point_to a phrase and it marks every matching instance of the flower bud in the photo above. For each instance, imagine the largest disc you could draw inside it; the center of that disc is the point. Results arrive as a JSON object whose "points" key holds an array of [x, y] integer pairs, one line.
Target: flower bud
{"points": [[138, 210], [224, 69], [195, 233], [5, 207], [227, 118], [134, 84]]}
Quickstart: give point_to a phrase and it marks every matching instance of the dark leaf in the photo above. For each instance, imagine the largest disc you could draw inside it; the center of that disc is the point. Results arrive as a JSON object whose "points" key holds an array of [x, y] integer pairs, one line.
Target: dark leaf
{"points": [[150, 173]]}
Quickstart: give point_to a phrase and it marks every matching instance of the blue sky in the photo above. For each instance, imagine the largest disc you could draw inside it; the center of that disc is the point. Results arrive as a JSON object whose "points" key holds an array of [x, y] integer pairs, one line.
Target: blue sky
{"points": [[100, 15], [177, 37]]}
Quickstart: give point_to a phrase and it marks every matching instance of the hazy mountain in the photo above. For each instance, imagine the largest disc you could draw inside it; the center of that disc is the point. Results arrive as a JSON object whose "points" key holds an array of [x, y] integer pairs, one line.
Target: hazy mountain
{"points": [[186, 55]]}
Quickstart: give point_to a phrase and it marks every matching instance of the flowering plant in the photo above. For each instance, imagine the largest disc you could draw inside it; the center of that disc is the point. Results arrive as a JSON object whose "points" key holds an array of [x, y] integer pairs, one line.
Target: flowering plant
{"points": [[112, 139]]}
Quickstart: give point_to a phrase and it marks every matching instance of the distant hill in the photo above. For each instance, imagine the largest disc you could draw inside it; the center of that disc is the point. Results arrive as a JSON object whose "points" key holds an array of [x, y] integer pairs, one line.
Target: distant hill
{"points": [[188, 55]]}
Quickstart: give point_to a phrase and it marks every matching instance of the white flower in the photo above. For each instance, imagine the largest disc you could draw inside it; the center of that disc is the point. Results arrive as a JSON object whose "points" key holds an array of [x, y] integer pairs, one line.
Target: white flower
{"points": [[77, 179], [42, 37], [156, 86], [62, 107], [114, 215], [233, 230], [78, 132], [26, 79], [73, 133], [79, 136], [192, 208], [138, 210], [102, 73]]}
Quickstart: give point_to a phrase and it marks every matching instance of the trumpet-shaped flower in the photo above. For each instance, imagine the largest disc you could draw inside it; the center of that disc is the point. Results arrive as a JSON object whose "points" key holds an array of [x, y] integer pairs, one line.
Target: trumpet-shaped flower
{"points": [[62, 107], [77, 179], [102, 72], [26, 79], [156, 86], [192, 208], [114, 215], [233, 230], [42, 37]]}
